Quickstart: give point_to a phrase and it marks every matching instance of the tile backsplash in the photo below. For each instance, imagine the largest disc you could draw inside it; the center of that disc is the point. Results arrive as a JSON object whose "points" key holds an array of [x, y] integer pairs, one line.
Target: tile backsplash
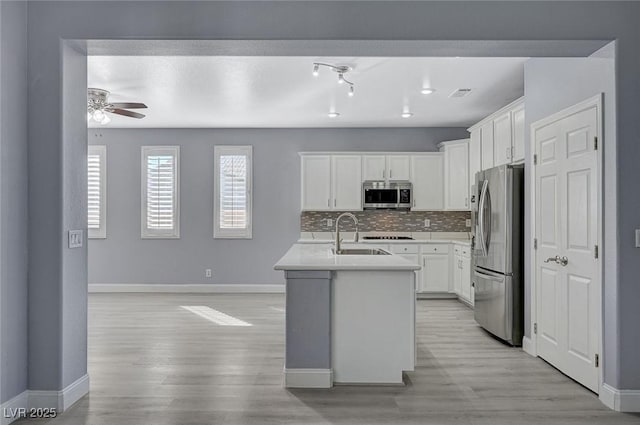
{"points": [[388, 221]]}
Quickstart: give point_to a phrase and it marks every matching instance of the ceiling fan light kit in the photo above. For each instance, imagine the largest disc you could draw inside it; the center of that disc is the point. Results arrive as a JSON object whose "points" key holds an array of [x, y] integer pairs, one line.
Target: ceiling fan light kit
{"points": [[98, 106]]}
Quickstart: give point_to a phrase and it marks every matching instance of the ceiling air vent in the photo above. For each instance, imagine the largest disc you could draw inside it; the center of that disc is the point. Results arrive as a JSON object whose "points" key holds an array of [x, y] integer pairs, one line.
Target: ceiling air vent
{"points": [[460, 93]]}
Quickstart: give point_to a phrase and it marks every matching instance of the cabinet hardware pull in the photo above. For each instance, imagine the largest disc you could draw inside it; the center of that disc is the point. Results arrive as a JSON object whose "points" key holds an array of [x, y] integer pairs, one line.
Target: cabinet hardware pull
{"points": [[335, 202], [329, 203], [390, 173]]}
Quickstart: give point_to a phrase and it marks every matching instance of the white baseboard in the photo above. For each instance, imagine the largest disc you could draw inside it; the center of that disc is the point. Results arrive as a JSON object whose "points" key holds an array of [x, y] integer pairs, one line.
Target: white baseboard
{"points": [[60, 400], [529, 347], [620, 400], [18, 406], [308, 378], [186, 288], [11, 409]]}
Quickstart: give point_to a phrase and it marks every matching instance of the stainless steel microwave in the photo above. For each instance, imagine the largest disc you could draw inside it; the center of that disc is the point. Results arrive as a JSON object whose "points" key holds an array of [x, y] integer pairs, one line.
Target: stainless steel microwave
{"points": [[386, 195]]}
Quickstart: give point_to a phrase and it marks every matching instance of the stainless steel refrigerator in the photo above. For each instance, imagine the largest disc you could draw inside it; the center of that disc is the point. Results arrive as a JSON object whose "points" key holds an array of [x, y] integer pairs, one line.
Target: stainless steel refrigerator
{"points": [[498, 273]]}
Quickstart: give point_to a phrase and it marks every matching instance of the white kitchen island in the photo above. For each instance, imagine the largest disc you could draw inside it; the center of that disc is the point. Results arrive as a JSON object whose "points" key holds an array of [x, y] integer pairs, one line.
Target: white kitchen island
{"points": [[350, 319]]}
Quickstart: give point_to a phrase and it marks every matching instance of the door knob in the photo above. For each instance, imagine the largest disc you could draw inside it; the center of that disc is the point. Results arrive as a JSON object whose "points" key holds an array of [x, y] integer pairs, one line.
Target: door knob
{"points": [[563, 261]]}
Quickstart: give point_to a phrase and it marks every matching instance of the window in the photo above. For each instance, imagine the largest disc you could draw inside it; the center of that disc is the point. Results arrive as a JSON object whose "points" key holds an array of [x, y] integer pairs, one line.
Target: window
{"points": [[97, 192], [160, 192], [232, 194]]}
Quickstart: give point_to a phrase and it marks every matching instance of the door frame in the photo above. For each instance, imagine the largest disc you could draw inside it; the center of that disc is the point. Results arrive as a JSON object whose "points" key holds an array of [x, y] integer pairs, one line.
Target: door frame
{"points": [[530, 343]]}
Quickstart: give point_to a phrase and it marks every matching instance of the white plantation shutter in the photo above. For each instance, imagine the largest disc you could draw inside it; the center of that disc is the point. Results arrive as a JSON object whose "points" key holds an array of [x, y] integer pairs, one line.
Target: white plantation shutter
{"points": [[96, 193], [160, 216], [232, 203]]}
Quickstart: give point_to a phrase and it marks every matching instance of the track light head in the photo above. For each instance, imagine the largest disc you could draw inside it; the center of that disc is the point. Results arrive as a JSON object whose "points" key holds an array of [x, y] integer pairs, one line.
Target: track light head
{"points": [[351, 91], [316, 68], [341, 78]]}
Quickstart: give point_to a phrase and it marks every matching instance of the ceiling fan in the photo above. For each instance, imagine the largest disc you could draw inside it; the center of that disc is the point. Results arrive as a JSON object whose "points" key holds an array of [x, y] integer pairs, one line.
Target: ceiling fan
{"points": [[98, 105]]}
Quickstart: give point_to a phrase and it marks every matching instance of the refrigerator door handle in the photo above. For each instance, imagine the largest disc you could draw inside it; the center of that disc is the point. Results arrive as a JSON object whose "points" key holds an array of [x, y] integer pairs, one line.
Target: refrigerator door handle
{"points": [[481, 208]]}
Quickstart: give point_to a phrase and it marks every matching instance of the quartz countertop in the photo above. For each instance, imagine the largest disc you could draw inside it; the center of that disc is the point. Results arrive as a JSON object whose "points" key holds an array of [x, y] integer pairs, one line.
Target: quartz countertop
{"points": [[318, 256]]}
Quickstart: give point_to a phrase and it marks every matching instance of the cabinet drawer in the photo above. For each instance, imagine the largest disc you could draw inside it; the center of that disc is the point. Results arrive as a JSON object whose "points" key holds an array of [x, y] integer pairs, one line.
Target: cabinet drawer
{"points": [[435, 249], [404, 249]]}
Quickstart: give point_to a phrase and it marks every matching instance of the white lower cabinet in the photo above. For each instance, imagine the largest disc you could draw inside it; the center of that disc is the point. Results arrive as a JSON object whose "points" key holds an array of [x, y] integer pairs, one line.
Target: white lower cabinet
{"points": [[462, 273], [435, 272], [409, 252], [445, 268]]}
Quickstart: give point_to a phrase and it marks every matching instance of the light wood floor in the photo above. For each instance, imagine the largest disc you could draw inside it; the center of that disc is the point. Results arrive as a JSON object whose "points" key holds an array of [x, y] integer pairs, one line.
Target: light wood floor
{"points": [[153, 363]]}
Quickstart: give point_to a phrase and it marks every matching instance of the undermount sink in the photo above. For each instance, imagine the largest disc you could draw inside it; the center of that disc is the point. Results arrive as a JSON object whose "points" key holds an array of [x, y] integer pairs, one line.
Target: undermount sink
{"points": [[360, 251]]}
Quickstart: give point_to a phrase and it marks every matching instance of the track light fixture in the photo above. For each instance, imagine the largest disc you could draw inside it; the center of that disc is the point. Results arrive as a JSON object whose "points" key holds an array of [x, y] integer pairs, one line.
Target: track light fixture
{"points": [[341, 70]]}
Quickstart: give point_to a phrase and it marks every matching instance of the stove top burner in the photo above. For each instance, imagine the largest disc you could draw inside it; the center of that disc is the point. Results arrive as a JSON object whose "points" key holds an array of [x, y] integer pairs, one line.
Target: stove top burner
{"points": [[403, 238]]}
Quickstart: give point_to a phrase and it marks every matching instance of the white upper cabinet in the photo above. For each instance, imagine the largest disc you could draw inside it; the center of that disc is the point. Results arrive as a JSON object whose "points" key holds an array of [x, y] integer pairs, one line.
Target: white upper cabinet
{"points": [[427, 177], [475, 162], [386, 167], [501, 136], [502, 139], [456, 174], [399, 167], [316, 183], [517, 117], [331, 182], [374, 167], [486, 144], [346, 182]]}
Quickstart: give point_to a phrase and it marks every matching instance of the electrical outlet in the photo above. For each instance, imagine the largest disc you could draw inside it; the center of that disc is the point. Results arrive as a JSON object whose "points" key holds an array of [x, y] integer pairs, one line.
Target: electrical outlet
{"points": [[207, 273], [468, 222], [329, 222], [427, 222], [75, 238]]}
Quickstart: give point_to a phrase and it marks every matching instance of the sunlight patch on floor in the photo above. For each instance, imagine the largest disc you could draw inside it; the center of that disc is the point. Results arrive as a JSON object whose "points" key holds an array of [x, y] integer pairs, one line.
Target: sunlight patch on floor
{"points": [[214, 316]]}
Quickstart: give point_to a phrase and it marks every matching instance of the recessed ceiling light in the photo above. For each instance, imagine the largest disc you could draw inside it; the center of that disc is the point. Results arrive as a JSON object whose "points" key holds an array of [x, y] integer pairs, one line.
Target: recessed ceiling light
{"points": [[407, 115], [427, 90], [333, 115]]}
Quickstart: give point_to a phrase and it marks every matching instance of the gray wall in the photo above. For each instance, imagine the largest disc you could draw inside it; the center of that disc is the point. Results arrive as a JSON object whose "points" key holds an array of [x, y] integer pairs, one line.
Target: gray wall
{"points": [[552, 84], [126, 258], [48, 22], [13, 199]]}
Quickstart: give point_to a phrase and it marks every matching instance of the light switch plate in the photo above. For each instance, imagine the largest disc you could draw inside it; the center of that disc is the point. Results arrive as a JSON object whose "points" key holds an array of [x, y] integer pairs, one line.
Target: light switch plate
{"points": [[75, 238], [637, 238], [329, 222], [427, 222], [468, 222]]}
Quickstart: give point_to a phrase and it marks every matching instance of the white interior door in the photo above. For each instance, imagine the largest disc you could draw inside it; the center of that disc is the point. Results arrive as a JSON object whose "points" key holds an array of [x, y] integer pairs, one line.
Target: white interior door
{"points": [[568, 288]]}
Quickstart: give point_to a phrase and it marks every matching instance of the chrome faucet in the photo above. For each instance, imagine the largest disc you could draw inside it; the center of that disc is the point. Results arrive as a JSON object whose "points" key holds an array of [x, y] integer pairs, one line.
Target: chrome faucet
{"points": [[338, 240]]}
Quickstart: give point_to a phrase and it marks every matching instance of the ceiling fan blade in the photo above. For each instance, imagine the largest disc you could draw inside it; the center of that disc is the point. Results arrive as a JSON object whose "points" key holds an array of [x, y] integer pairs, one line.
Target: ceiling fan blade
{"points": [[126, 113], [129, 105]]}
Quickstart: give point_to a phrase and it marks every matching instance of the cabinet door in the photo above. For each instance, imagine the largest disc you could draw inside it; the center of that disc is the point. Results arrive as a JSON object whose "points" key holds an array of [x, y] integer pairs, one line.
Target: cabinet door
{"points": [[415, 259], [435, 272], [517, 118], [502, 139], [475, 160], [456, 177], [316, 183], [457, 275], [427, 177], [486, 143], [374, 167], [465, 278], [399, 167], [347, 182]]}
